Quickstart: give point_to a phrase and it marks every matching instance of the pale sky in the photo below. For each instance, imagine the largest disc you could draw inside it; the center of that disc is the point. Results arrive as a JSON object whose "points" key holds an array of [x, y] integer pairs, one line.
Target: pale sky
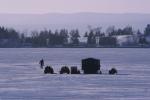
{"points": [[73, 6]]}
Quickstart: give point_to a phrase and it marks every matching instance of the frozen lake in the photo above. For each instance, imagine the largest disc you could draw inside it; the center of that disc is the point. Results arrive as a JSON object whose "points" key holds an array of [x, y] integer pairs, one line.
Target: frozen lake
{"points": [[22, 79]]}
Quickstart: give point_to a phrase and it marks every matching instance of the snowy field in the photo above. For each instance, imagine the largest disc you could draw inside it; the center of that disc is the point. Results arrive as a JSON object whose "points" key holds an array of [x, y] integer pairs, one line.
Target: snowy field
{"points": [[22, 79]]}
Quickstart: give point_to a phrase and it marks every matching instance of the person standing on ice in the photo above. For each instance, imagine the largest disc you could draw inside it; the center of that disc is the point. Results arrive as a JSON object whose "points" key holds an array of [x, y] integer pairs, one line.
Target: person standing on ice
{"points": [[41, 63]]}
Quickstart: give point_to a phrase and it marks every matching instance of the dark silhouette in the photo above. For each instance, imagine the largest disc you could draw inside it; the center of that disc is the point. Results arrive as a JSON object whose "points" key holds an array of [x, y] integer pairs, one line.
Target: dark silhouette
{"points": [[65, 70], [147, 30], [41, 63], [74, 37], [142, 41], [9, 37], [113, 71], [108, 41], [90, 66], [74, 70], [91, 38], [48, 70], [128, 30], [100, 72]]}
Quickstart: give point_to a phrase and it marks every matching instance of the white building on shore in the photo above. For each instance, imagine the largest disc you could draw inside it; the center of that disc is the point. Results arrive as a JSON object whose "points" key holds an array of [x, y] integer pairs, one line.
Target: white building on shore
{"points": [[124, 40]]}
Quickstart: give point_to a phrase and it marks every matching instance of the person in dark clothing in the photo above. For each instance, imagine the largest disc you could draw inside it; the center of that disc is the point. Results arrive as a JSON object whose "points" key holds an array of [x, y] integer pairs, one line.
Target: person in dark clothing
{"points": [[41, 63]]}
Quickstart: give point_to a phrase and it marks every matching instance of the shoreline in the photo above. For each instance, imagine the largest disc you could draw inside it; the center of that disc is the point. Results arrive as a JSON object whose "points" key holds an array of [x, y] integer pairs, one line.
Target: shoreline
{"points": [[73, 47]]}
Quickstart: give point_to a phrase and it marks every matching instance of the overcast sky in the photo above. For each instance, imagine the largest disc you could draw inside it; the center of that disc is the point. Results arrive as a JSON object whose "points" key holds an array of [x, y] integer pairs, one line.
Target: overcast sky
{"points": [[71, 6]]}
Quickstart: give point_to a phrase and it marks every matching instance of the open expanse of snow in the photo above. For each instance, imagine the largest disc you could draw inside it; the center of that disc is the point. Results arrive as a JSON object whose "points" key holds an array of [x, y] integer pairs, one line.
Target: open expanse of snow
{"points": [[22, 79]]}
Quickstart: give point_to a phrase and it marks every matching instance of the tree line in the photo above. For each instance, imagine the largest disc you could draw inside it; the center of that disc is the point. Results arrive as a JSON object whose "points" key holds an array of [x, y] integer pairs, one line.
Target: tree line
{"points": [[69, 38]]}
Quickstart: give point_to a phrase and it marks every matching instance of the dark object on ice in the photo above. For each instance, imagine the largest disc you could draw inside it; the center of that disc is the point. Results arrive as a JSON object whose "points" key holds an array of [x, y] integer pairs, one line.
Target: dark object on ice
{"points": [[48, 70], [100, 72], [65, 70], [113, 71], [91, 66], [41, 63], [74, 70]]}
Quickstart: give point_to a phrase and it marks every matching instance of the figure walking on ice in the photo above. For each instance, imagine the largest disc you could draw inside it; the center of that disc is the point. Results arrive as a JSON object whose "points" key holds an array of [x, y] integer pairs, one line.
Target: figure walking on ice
{"points": [[41, 63]]}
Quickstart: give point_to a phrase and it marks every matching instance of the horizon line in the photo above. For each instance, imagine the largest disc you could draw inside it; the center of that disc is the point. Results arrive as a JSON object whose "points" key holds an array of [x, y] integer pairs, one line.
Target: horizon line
{"points": [[74, 13]]}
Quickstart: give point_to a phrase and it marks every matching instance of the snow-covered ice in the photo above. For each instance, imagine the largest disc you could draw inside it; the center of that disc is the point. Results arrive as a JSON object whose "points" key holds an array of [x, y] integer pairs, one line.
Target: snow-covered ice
{"points": [[22, 79]]}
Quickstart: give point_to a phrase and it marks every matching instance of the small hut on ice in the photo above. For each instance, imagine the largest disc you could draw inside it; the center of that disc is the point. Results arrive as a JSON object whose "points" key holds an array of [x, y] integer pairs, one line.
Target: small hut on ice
{"points": [[91, 66]]}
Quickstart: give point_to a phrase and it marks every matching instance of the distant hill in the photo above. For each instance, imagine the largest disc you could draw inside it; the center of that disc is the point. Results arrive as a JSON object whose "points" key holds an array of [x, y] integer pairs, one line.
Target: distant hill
{"points": [[70, 21]]}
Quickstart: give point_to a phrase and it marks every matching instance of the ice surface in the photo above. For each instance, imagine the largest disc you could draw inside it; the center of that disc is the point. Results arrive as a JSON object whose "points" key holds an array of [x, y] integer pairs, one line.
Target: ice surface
{"points": [[22, 79]]}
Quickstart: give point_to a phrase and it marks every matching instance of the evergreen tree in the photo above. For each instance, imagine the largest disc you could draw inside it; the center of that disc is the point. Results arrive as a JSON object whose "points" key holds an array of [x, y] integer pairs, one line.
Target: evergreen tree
{"points": [[64, 36], [74, 37], [91, 38], [147, 30]]}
